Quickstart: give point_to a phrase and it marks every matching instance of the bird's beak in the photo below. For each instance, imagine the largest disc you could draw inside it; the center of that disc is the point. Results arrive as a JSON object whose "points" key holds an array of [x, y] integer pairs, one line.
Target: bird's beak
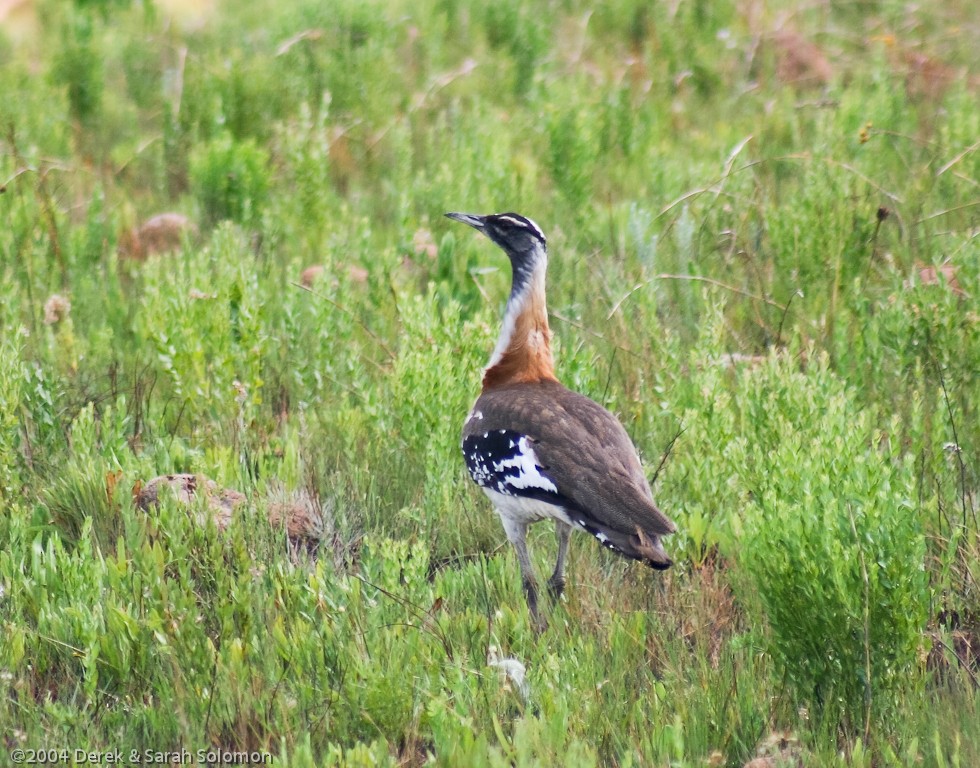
{"points": [[477, 222]]}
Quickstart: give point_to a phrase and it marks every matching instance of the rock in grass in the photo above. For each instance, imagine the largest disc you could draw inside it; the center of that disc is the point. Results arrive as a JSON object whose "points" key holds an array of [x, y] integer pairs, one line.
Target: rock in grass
{"points": [[300, 514], [800, 63], [297, 512], [778, 749], [930, 275], [185, 487], [313, 273], [162, 233]]}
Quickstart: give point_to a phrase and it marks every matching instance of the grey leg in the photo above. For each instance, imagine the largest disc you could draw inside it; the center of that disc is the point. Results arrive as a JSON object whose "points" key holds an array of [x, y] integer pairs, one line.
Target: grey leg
{"points": [[517, 534], [556, 584]]}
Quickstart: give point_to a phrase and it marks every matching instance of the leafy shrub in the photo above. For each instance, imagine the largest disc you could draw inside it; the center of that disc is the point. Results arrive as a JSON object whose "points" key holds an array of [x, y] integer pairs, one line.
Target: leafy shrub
{"points": [[205, 341], [832, 542], [230, 179], [11, 377], [570, 153], [78, 65], [84, 496], [514, 28], [421, 414]]}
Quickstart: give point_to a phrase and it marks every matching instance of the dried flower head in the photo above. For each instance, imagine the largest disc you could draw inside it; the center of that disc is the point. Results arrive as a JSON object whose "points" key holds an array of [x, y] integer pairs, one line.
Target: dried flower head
{"points": [[241, 392], [424, 243], [56, 309]]}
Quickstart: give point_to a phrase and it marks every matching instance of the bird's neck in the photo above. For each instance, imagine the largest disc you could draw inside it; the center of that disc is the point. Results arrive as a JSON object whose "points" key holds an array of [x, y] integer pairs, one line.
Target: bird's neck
{"points": [[523, 351]]}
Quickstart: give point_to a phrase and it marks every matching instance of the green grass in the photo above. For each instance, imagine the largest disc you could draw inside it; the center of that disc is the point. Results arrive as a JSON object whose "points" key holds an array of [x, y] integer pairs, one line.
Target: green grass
{"points": [[740, 269]]}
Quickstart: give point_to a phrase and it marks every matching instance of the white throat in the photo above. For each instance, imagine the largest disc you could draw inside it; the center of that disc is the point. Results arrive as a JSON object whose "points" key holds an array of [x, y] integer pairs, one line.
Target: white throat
{"points": [[515, 306]]}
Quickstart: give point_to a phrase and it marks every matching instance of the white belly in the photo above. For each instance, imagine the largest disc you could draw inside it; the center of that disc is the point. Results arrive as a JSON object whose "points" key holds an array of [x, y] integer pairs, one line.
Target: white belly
{"points": [[524, 511]]}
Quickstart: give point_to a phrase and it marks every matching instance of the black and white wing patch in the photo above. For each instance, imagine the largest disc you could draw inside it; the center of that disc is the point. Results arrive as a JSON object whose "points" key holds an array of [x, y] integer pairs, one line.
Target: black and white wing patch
{"points": [[504, 461]]}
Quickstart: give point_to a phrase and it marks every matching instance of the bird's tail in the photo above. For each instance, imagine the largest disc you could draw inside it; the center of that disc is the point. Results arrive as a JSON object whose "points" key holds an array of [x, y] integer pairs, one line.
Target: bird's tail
{"points": [[651, 550], [642, 546]]}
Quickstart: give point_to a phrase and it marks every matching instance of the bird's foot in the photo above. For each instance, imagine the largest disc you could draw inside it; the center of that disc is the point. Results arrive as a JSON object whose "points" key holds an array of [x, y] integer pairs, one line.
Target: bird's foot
{"points": [[556, 588]]}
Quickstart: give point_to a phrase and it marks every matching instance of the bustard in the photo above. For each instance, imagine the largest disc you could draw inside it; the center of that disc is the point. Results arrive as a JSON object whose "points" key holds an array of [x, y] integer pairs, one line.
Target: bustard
{"points": [[541, 451]]}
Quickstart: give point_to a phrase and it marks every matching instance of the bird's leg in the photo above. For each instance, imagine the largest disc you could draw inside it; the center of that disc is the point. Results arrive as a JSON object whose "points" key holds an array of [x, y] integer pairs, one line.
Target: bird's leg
{"points": [[556, 584], [517, 534]]}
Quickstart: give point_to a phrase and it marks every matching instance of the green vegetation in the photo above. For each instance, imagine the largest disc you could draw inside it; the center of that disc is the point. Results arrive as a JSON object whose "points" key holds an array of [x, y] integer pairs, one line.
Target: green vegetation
{"points": [[763, 223]]}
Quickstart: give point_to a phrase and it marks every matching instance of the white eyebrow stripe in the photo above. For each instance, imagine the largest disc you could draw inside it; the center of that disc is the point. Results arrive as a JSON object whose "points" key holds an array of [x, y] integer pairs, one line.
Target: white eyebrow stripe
{"points": [[536, 229], [522, 221]]}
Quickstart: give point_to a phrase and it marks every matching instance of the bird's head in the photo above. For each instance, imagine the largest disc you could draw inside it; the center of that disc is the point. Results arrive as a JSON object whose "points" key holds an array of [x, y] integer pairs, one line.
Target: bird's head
{"points": [[520, 238]]}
